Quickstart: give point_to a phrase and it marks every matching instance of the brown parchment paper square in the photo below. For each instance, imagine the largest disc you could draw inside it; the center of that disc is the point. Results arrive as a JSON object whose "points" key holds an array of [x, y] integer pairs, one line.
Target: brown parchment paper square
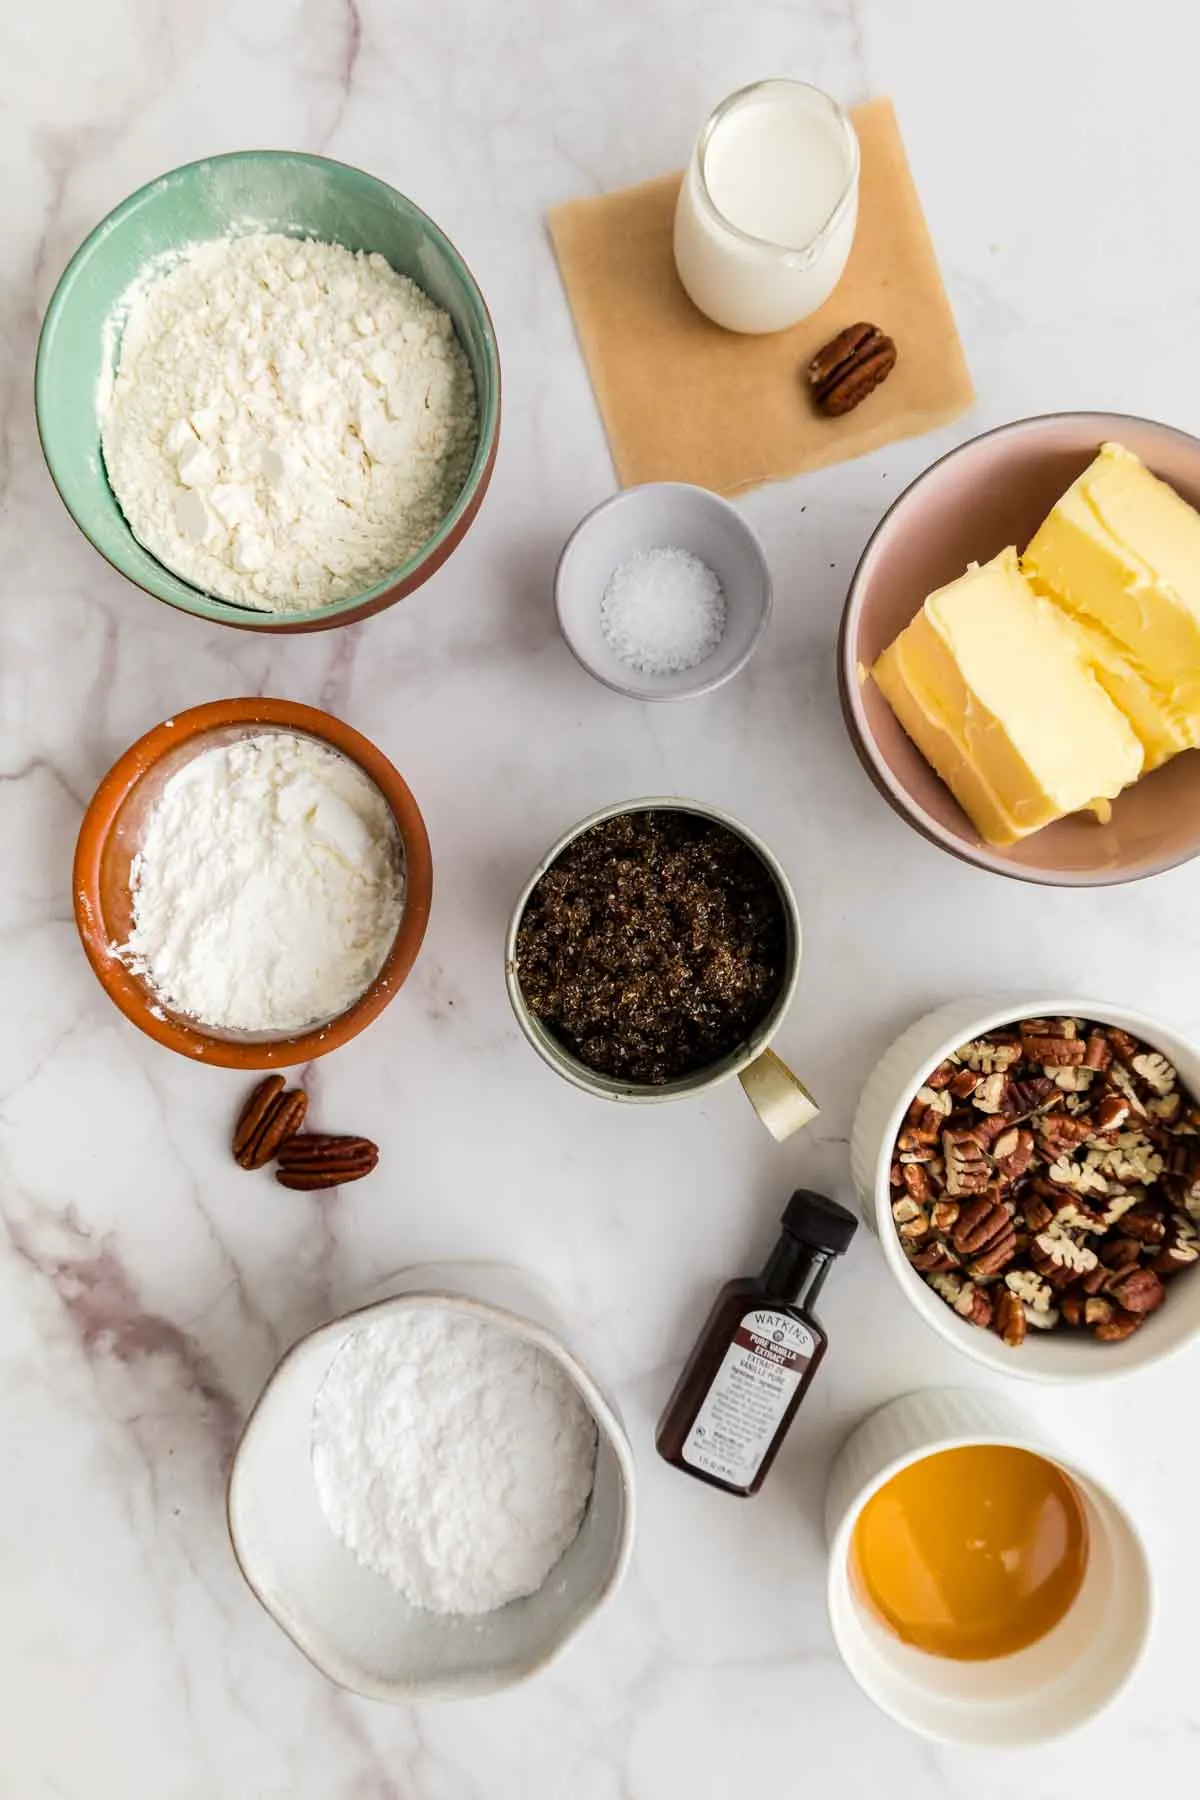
{"points": [[683, 400]]}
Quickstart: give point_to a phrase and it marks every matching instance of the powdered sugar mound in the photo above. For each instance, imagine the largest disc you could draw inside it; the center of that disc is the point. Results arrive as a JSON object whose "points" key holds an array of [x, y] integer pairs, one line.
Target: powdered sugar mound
{"points": [[289, 420], [452, 1457], [269, 885]]}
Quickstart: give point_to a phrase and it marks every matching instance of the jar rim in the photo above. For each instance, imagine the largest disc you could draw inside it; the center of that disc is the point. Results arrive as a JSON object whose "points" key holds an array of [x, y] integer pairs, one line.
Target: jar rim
{"points": [[779, 84]]}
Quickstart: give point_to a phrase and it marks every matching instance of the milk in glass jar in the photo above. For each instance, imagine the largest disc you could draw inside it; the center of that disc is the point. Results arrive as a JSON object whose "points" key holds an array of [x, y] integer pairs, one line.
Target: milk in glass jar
{"points": [[767, 210]]}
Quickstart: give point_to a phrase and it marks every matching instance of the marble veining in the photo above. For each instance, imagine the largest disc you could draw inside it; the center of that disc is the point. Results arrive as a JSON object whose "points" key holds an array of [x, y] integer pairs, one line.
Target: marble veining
{"points": [[147, 1285]]}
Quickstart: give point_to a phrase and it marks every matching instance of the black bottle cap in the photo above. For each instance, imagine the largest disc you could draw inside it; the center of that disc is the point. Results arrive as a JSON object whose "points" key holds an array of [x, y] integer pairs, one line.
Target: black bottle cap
{"points": [[819, 1221]]}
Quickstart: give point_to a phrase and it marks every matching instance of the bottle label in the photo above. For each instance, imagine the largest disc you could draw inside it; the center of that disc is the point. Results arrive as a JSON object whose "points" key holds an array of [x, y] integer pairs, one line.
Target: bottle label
{"points": [[749, 1395]]}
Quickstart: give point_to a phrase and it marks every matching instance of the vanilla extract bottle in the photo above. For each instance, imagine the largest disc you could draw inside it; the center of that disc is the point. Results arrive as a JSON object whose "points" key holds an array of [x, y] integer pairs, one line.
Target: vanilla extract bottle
{"points": [[757, 1355]]}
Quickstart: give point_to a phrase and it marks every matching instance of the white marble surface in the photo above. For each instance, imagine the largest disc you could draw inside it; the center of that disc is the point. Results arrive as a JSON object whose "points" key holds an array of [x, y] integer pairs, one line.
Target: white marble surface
{"points": [[146, 1286]]}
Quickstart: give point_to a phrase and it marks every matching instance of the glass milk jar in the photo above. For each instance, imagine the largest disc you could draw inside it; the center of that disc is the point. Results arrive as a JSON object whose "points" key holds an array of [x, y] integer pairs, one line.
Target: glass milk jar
{"points": [[767, 210]]}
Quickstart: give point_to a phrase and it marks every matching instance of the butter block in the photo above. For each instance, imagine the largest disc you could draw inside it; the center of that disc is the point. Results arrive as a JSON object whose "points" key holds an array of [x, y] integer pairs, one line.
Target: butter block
{"points": [[1120, 553], [990, 683], [1158, 725]]}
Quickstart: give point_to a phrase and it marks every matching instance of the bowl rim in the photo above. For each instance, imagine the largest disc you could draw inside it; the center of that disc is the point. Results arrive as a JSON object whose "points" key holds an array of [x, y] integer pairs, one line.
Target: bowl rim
{"points": [[685, 1087], [979, 856], [212, 607], [127, 991], [608, 1424], [637, 495], [1114, 1362]]}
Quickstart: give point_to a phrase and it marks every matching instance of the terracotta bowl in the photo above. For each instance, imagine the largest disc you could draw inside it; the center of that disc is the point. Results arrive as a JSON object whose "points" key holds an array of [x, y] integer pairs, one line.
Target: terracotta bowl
{"points": [[111, 834], [988, 493]]}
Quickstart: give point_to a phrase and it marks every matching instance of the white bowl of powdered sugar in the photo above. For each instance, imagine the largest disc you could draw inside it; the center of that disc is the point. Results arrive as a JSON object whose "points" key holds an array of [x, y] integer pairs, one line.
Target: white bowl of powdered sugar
{"points": [[432, 1494]]}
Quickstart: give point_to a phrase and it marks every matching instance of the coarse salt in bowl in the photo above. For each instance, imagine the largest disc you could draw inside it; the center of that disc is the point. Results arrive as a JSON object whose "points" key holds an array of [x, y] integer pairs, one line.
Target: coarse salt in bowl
{"points": [[669, 577]]}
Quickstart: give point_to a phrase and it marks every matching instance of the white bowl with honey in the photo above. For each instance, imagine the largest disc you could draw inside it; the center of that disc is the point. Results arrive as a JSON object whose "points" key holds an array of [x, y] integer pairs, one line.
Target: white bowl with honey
{"points": [[984, 1589]]}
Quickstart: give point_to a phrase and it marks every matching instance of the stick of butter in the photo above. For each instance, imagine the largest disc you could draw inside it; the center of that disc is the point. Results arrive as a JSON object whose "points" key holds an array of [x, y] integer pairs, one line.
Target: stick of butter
{"points": [[1120, 554], [990, 683]]}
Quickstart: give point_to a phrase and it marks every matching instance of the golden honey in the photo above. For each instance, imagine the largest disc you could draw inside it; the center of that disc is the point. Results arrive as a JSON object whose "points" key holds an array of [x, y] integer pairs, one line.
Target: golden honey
{"points": [[972, 1553]]}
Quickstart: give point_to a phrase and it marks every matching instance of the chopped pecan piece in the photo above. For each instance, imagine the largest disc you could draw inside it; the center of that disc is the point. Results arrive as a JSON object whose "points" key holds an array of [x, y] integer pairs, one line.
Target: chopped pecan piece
{"points": [[943, 1215], [967, 1170], [981, 1223], [1157, 1073], [1008, 1318], [1139, 1292], [1119, 1327], [1099, 1053], [1126, 1047], [974, 1305], [989, 1095], [1054, 1052], [1037, 1213], [932, 1258], [1071, 1305], [1180, 1255], [1061, 1134], [1145, 1223], [1109, 1114], [1028, 1095], [964, 1084], [998, 1254], [916, 1181], [1013, 1153]]}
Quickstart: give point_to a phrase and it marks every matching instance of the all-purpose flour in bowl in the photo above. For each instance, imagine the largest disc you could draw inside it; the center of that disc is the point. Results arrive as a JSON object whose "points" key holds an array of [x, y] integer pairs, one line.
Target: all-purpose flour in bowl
{"points": [[289, 421], [269, 885], [454, 1458]]}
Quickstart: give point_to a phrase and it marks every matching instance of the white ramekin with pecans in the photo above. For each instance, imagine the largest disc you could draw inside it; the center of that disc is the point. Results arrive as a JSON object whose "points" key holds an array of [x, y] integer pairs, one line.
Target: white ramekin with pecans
{"points": [[1054, 1355]]}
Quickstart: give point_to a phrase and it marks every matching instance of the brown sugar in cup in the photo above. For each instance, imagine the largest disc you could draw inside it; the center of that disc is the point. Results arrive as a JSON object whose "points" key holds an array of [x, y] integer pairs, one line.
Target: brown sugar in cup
{"points": [[987, 494], [109, 839]]}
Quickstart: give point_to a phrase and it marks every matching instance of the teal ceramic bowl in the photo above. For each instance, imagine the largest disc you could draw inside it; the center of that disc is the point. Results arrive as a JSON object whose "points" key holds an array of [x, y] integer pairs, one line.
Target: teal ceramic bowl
{"points": [[260, 190]]}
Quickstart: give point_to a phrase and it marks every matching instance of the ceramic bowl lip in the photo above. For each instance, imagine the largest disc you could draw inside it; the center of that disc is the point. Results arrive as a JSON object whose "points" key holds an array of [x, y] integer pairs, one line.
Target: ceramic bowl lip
{"points": [[409, 574], [128, 993], [1077, 1471], [608, 1425], [603, 1086], [636, 496], [980, 856], [1112, 1361]]}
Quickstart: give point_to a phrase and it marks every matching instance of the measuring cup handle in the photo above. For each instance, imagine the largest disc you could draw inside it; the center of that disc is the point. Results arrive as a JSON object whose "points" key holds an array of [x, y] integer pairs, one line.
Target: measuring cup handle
{"points": [[782, 1102]]}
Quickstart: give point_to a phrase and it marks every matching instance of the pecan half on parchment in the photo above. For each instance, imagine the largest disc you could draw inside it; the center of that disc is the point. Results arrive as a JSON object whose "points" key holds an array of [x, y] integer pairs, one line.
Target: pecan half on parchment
{"points": [[850, 367]]}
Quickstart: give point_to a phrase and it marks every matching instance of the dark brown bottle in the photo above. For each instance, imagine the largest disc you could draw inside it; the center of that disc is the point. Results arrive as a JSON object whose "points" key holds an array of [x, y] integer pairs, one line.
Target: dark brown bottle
{"points": [[757, 1354]]}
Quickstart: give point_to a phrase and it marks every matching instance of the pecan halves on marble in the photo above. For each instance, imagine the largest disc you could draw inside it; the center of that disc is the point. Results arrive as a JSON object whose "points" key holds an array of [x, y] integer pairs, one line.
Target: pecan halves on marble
{"points": [[315, 1160], [269, 1118]]}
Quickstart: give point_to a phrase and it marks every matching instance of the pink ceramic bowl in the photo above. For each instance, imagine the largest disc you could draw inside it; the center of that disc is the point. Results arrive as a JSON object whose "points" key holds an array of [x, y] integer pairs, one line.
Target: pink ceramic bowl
{"points": [[994, 491]]}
